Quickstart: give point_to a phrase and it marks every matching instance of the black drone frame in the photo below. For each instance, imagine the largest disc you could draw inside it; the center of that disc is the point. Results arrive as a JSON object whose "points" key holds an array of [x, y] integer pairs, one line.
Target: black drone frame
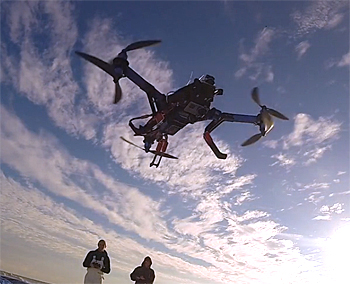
{"points": [[119, 68]]}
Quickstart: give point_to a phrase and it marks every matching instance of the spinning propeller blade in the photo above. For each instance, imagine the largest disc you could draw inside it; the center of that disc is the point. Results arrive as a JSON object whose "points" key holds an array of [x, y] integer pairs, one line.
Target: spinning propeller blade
{"points": [[127, 141], [277, 114], [255, 96], [252, 140], [162, 154], [140, 44], [117, 93], [108, 68], [116, 66], [98, 62]]}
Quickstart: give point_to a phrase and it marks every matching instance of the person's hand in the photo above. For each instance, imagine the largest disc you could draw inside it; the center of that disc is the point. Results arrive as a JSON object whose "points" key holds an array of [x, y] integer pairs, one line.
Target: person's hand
{"points": [[142, 278], [96, 265]]}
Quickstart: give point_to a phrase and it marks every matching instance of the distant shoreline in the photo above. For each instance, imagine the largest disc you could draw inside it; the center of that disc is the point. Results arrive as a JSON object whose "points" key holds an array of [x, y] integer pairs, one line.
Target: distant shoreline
{"points": [[24, 279]]}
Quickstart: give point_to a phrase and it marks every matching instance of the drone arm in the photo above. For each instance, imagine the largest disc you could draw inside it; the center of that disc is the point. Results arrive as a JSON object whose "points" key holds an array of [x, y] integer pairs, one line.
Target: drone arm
{"points": [[155, 98], [218, 118]]}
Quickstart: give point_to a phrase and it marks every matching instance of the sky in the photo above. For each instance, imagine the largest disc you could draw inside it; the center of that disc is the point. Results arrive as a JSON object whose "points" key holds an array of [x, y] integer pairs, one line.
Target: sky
{"points": [[277, 211]]}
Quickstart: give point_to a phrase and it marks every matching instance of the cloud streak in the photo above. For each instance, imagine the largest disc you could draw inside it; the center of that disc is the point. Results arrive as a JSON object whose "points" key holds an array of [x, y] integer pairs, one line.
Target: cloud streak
{"points": [[55, 167], [345, 60], [310, 131], [251, 62], [122, 207], [307, 143], [302, 48], [319, 15], [29, 214]]}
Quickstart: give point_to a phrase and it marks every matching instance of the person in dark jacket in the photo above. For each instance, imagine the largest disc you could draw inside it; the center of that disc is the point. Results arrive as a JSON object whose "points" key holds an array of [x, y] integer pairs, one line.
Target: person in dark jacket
{"points": [[143, 274], [97, 262]]}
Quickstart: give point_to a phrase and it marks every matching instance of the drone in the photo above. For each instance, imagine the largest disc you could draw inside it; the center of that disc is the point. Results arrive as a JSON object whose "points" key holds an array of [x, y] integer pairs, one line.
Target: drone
{"points": [[173, 111]]}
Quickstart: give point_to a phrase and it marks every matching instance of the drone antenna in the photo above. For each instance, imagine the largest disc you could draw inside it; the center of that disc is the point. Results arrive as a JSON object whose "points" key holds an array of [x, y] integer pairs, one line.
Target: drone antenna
{"points": [[191, 76]]}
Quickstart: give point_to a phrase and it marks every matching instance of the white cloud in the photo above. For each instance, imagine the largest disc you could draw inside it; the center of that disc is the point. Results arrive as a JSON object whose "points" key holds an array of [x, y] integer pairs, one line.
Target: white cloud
{"points": [[21, 19], [314, 186], [342, 62], [125, 206], [315, 197], [301, 48], [319, 15], [308, 142], [8, 67], [21, 149], [45, 75], [327, 211], [29, 214], [271, 144], [46, 78], [196, 161], [345, 61], [283, 160], [251, 62], [315, 154], [322, 217], [310, 131], [245, 196]]}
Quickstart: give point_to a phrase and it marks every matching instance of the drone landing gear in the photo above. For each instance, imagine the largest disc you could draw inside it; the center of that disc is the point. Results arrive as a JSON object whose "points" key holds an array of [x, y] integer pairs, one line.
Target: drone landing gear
{"points": [[161, 148], [218, 118], [142, 130]]}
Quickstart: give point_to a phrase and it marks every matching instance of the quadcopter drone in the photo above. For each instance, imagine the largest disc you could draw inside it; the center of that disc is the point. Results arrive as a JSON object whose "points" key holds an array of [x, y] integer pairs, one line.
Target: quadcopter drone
{"points": [[172, 112]]}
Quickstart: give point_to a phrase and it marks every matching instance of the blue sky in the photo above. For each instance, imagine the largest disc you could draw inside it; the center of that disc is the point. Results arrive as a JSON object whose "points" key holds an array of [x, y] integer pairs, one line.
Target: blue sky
{"points": [[273, 212]]}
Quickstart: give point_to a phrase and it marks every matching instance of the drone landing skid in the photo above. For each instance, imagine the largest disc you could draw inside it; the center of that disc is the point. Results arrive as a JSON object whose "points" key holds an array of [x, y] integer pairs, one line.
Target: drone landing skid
{"points": [[218, 118], [160, 150], [159, 153], [156, 164]]}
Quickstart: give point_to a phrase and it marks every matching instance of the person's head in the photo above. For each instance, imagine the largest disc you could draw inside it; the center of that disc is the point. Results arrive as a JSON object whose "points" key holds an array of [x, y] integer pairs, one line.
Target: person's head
{"points": [[147, 262], [101, 245]]}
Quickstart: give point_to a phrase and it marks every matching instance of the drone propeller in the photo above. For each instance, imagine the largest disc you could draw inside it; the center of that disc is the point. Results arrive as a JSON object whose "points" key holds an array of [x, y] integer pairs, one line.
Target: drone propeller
{"points": [[162, 154], [140, 44], [275, 113], [135, 45], [117, 93], [265, 120], [121, 60], [108, 68], [252, 139], [115, 67], [98, 62]]}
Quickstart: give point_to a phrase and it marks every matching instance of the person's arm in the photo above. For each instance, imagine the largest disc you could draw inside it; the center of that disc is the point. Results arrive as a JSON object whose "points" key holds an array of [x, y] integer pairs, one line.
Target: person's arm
{"points": [[135, 275], [87, 260], [153, 276], [106, 265]]}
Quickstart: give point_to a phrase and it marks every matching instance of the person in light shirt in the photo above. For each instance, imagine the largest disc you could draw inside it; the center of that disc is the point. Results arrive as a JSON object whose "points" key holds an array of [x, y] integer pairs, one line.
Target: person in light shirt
{"points": [[97, 262]]}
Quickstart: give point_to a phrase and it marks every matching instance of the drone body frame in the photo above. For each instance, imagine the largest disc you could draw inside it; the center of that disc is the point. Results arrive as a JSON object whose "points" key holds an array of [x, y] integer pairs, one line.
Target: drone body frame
{"points": [[187, 105]]}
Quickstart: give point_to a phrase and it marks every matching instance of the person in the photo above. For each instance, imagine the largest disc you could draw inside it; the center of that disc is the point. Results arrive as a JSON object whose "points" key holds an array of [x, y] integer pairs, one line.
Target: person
{"points": [[143, 274], [97, 262]]}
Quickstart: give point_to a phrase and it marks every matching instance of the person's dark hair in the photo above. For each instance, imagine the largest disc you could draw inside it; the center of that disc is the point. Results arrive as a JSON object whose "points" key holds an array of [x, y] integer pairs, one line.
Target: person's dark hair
{"points": [[146, 258]]}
